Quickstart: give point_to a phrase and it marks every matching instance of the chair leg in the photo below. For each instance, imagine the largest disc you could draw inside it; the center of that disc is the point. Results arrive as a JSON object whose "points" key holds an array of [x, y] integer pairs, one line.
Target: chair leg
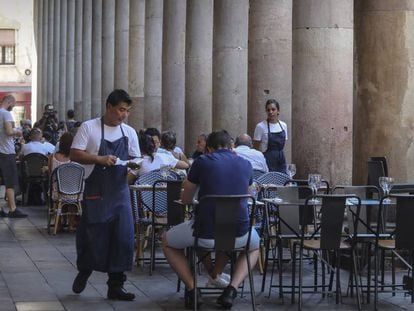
{"points": [[300, 277], [292, 299], [382, 269], [393, 272], [355, 275], [266, 262], [252, 294], [280, 267], [376, 277], [152, 260], [369, 272]]}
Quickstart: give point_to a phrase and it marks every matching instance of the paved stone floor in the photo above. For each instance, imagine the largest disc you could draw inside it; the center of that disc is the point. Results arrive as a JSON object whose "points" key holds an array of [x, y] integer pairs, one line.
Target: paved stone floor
{"points": [[37, 270]]}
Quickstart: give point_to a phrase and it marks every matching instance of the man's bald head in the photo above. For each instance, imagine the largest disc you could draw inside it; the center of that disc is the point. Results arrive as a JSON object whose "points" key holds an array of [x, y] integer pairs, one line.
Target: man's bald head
{"points": [[243, 140], [8, 102]]}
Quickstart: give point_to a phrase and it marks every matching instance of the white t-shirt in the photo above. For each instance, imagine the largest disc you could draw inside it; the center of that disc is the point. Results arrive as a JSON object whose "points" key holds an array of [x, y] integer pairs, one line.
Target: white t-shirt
{"points": [[160, 159], [88, 138], [6, 142], [44, 148], [260, 132]]}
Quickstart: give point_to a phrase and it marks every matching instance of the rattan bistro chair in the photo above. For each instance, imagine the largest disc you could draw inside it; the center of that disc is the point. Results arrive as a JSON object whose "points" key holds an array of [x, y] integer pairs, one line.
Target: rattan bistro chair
{"points": [[225, 228], [66, 190], [151, 209]]}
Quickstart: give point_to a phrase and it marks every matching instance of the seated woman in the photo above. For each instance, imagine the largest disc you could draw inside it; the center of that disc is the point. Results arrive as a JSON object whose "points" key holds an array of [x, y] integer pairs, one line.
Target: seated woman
{"points": [[62, 155], [155, 160]]}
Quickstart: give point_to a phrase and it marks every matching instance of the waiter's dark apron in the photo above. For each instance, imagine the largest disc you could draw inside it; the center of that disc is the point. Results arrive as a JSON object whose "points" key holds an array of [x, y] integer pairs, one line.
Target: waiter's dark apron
{"points": [[275, 158], [105, 236]]}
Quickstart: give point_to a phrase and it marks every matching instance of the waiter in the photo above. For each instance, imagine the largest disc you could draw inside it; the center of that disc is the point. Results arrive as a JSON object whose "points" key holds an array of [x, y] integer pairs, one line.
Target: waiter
{"points": [[105, 236], [270, 136]]}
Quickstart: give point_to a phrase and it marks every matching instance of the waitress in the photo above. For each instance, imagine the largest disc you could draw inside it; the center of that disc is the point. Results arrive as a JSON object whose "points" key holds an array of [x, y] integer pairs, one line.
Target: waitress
{"points": [[270, 136]]}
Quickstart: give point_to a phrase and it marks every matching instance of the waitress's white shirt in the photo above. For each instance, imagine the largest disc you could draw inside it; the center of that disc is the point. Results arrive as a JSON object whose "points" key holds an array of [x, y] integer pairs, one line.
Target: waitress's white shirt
{"points": [[260, 132], [88, 138]]}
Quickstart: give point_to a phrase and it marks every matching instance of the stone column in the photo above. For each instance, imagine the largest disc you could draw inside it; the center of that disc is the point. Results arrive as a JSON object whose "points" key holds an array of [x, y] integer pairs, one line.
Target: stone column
{"points": [[45, 60], [270, 61], [96, 92], [199, 70], [38, 32], [70, 56], [384, 107], [61, 107], [136, 62], [56, 53], [78, 60], [86, 59], [121, 44], [323, 89], [153, 50], [108, 49], [231, 19], [173, 68], [49, 98]]}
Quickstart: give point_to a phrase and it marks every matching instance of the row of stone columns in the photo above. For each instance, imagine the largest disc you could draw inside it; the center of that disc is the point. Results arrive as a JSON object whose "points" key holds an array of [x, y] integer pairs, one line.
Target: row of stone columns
{"points": [[193, 66]]}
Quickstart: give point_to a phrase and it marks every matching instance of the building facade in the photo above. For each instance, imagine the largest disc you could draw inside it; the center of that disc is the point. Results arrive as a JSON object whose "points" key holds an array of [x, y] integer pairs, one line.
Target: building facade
{"points": [[17, 54]]}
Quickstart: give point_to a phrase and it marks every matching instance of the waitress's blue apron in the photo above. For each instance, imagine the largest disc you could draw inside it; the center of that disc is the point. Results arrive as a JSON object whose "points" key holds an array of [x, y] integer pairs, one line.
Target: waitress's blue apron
{"points": [[105, 236], [275, 158]]}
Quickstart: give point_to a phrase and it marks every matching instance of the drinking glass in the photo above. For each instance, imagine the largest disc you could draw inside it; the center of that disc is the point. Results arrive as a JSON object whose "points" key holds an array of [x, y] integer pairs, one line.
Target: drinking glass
{"points": [[314, 181], [164, 170], [291, 171], [386, 184]]}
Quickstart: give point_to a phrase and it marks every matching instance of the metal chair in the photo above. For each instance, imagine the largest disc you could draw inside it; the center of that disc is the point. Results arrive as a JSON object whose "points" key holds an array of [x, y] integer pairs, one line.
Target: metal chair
{"points": [[328, 241], [283, 225], [375, 171], [66, 189], [225, 228], [151, 207], [399, 239], [33, 172], [275, 178]]}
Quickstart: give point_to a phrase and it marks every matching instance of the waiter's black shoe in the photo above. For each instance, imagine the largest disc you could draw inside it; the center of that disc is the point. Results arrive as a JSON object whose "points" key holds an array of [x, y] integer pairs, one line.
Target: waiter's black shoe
{"points": [[119, 293], [79, 283]]}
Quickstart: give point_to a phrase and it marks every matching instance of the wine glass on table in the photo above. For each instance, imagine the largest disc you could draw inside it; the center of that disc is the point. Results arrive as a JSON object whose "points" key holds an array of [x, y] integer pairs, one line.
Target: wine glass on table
{"points": [[314, 181], [386, 184], [291, 171]]}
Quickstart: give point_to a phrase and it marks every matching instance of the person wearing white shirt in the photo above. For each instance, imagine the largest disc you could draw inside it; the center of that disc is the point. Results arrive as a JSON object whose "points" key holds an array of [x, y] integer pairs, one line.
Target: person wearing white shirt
{"points": [[244, 149], [105, 235], [36, 144], [270, 136]]}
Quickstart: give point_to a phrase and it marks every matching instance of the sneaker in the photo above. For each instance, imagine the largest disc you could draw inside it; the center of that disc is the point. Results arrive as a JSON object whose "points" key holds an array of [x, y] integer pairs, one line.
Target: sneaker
{"points": [[226, 277], [17, 214], [218, 282], [227, 297]]}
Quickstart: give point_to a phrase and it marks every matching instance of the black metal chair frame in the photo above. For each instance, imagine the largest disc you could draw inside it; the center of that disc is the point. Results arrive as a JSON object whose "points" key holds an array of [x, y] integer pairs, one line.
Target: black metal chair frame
{"points": [[401, 239], [32, 172], [225, 234], [281, 227], [328, 233]]}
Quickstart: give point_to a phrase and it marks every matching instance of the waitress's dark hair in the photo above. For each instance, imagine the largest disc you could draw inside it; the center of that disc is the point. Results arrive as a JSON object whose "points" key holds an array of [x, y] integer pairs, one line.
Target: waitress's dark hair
{"points": [[146, 144], [118, 96], [65, 142], [272, 101], [218, 139]]}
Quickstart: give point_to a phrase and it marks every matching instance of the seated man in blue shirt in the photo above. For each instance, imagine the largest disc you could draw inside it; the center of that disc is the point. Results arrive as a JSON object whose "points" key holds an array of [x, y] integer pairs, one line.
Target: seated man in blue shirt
{"points": [[220, 172]]}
